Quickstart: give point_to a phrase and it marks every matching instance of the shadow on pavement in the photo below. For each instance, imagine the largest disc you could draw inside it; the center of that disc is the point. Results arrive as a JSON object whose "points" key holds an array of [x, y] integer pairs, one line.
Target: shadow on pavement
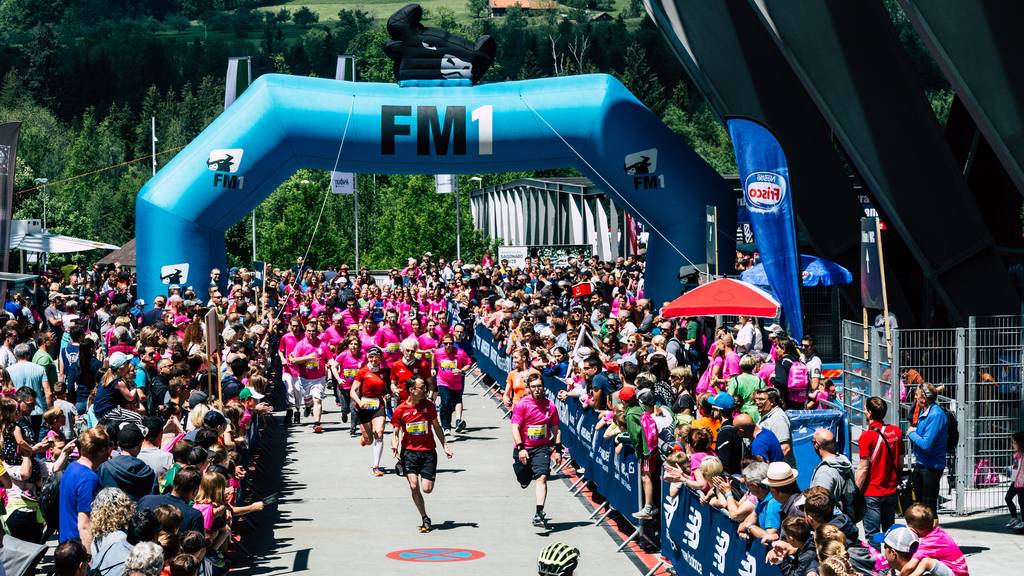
{"points": [[259, 545], [450, 525]]}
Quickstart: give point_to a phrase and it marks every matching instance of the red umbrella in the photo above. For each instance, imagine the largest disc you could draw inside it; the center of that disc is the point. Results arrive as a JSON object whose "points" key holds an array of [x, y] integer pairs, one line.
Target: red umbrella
{"points": [[723, 296]]}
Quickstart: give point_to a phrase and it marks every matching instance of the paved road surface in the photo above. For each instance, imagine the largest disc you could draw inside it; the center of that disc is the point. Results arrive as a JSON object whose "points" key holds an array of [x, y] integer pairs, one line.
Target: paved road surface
{"points": [[336, 518]]}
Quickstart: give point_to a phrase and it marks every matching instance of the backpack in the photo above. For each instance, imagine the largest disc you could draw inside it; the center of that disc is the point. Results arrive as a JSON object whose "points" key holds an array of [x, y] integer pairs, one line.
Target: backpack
{"points": [[49, 499], [984, 474], [798, 382], [952, 430]]}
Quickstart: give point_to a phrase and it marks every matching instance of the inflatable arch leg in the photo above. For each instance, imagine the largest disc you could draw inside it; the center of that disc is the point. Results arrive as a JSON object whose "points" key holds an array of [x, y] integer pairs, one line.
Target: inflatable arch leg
{"points": [[283, 123]]}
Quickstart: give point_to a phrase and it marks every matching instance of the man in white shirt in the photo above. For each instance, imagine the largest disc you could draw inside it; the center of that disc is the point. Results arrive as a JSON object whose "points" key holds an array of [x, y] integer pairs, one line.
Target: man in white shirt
{"points": [[745, 335], [6, 353]]}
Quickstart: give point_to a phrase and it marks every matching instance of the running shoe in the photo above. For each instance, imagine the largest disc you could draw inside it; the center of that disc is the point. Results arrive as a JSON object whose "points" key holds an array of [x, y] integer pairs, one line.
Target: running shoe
{"points": [[344, 417], [448, 433], [378, 472], [645, 513], [426, 526], [295, 417], [460, 425], [540, 520], [1018, 526], [317, 429], [1012, 523]]}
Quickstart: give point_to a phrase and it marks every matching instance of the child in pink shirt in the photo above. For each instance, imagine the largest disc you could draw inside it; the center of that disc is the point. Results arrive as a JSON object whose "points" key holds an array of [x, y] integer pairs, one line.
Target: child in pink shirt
{"points": [[934, 542]]}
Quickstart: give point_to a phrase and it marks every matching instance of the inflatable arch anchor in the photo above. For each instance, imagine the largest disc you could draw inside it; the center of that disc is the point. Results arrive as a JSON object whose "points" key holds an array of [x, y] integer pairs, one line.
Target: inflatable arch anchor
{"points": [[283, 123]]}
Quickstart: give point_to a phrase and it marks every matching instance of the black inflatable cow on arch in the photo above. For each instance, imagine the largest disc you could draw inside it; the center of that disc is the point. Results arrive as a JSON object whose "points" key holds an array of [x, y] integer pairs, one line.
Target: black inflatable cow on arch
{"points": [[422, 53]]}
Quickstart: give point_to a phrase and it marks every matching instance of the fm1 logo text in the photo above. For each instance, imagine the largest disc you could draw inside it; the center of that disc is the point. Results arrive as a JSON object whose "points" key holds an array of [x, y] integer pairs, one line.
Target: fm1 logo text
{"points": [[440, 132]]}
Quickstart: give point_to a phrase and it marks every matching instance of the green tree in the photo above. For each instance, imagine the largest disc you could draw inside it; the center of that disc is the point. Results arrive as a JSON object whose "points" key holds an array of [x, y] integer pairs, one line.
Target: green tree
{"points": [[641, 79], [478, 7], [304, 17]]}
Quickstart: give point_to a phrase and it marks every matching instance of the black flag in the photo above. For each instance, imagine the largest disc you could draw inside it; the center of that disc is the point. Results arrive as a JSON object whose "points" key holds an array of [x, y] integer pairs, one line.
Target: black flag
{"points": [[870, 265]]}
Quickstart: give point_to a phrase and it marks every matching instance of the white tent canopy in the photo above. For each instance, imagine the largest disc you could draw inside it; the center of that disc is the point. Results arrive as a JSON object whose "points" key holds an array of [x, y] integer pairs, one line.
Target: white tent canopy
{"points": [[29, 236]]}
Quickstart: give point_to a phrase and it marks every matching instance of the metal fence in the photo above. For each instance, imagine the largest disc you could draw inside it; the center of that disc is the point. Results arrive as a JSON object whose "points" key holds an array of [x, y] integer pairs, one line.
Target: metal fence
{"points": [[978, 371]]}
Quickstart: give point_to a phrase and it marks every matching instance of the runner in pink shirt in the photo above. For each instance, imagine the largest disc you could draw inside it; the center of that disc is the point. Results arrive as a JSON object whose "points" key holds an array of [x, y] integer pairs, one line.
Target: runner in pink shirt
{"points": [[345, 366], [389, 337], [290, 371], [352, 314], [450, 364], [312, 355], [537, 442], [337, 332], [368, 335]]}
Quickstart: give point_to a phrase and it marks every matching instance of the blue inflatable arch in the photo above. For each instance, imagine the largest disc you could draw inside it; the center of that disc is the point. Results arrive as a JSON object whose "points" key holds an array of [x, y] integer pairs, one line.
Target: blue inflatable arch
{"points": [[283, 123]]}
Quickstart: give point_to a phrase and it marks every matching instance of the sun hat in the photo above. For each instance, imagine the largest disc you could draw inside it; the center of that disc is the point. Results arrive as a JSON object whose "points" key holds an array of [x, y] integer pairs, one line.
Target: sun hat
{"points": [[780, 474]]}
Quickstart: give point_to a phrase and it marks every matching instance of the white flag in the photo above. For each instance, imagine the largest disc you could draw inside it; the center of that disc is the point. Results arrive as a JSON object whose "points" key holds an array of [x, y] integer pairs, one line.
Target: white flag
{"points": [[445, 183], [343, 182]]}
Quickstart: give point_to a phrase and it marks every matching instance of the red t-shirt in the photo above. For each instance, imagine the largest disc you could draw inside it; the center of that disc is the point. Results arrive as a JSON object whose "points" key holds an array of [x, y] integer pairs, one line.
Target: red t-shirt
{"points": [[400, 373], [882, 475], [372, 384], [415, 422]]}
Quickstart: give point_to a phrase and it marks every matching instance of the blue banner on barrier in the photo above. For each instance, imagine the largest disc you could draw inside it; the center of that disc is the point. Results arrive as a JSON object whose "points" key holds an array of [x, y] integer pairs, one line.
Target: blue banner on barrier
{"points": [[701, 541], [489, 357], [616, 476]]}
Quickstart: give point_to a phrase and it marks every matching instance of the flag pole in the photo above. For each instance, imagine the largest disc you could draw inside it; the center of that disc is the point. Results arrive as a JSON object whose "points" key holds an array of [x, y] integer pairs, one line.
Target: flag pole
{"points": [[885, 295]]}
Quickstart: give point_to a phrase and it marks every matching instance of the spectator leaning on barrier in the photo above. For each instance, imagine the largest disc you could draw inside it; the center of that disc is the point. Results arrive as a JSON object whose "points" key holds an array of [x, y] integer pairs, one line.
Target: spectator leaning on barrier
{"points": [[764, 446], [774, 418], [928, 440], [835, 472], [640, 435], [877, 475]]}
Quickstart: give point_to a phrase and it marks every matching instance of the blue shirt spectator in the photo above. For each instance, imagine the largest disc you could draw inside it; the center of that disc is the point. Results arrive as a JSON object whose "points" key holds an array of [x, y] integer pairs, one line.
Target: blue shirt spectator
{"points": [[766, 446], [929, 438]]}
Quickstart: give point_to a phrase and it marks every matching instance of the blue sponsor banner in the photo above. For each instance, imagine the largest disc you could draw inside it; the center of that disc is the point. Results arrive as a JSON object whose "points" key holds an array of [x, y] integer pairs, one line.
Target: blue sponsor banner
{"points": [[616, 476], [764, 175], [702, 541]]}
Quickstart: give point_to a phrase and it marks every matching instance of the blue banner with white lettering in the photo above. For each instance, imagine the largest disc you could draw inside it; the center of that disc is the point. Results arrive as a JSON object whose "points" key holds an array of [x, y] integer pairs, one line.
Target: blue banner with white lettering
{"points": [[764, 174], [702, 541]]}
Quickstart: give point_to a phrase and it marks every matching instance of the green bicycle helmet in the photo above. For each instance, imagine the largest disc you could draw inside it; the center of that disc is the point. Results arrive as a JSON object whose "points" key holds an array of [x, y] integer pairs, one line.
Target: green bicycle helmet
{"points": [[558, 559]]}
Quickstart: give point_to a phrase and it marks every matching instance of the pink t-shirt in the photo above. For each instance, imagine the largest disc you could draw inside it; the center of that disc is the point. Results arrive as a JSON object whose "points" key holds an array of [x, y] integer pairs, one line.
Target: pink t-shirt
{"points": [[449, 366], [427, 342], [348, 318], [333, 335], [288, 342], [938, 544], [537, 421], [313, 369], [388, 340], [695, 459], [732, 365], [349, 365], [367, 341], [766, 372]]}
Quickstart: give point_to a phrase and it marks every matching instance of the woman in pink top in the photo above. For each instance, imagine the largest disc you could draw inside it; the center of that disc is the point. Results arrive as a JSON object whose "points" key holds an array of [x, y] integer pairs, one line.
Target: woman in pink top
{"points": [[368, 335], [344, 367]]}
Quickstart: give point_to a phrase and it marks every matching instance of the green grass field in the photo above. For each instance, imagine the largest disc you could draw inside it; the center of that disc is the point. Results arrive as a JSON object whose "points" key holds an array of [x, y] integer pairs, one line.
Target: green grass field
{"points": [[380, 9]]}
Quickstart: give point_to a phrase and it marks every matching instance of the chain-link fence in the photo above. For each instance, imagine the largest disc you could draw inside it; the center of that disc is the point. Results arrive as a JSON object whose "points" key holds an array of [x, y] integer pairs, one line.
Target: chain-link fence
{"points": [[978, 373]]}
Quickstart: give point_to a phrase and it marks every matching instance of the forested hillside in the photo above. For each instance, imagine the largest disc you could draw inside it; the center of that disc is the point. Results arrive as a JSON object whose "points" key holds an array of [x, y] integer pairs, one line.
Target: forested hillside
{"points": [[85, 77]]}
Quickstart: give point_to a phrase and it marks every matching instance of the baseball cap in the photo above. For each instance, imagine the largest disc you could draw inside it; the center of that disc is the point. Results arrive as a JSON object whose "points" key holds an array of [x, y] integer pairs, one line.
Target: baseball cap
{"points": [[196, 398], [214, 419], [645, 397], [118, 359], [722, 401], [627, 393], [129, 436], [248, 392], [901, 539], [230, 390]]}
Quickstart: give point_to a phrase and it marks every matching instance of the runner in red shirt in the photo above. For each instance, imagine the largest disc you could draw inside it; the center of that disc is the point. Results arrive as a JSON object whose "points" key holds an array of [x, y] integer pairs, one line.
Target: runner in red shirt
{"points": [[414, 420], [411, 367], [367, 393]]}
